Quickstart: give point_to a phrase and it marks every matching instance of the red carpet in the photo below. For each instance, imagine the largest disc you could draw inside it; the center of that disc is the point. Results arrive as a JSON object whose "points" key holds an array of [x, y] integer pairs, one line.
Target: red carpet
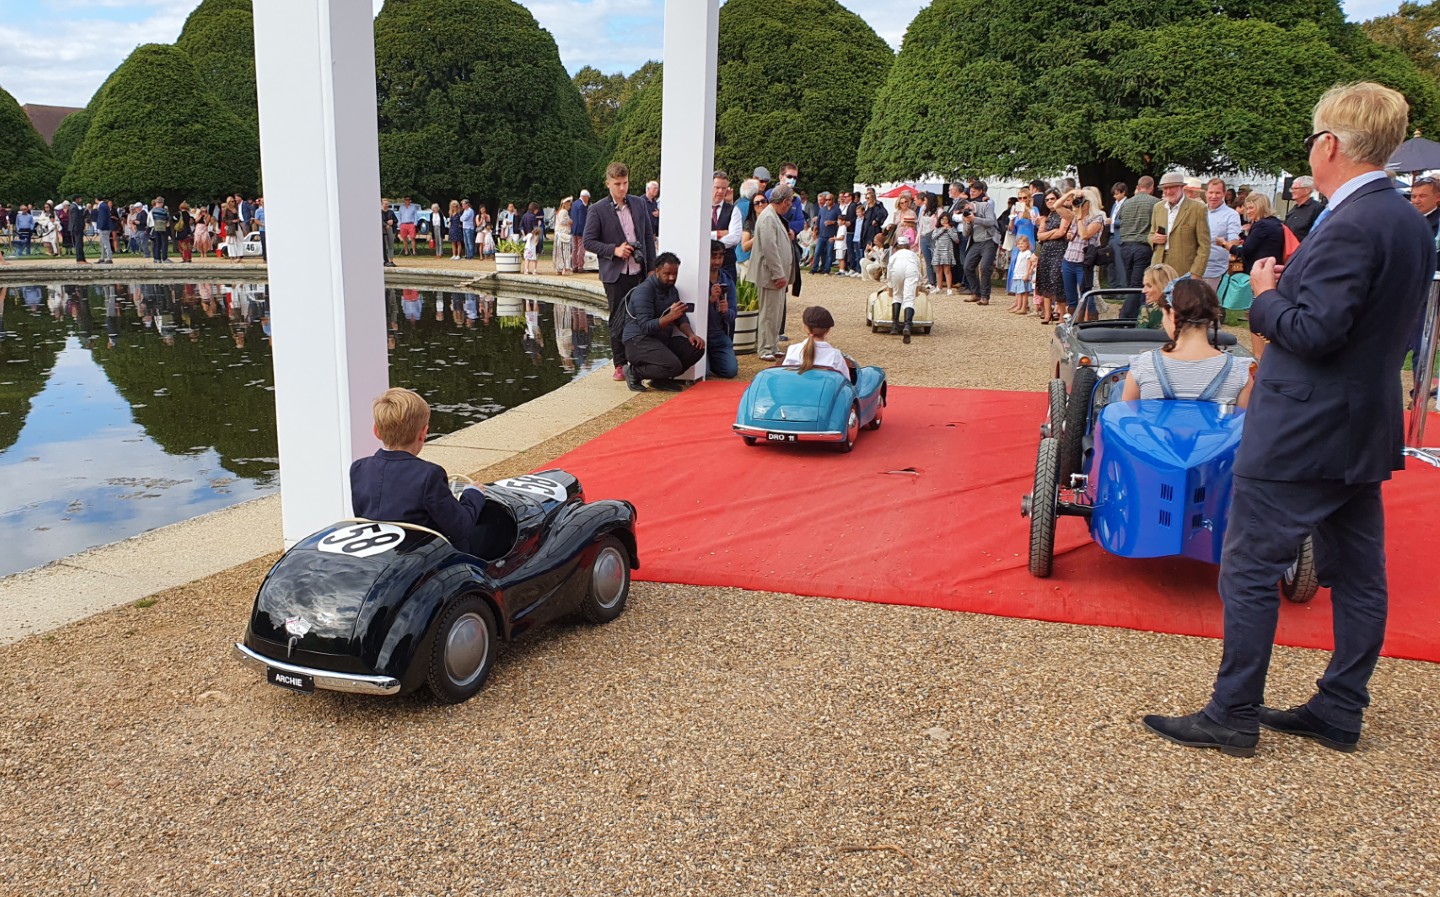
{"points": [[926, 511]]}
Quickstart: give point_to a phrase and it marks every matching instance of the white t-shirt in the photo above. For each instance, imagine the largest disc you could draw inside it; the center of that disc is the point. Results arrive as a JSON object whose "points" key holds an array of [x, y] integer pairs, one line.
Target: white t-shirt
{"points": [[1022, 265], [826, 356]]}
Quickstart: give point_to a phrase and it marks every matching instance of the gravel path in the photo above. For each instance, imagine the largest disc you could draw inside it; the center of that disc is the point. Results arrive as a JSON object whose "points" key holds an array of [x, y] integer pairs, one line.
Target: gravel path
{"points": [[709, 742]]}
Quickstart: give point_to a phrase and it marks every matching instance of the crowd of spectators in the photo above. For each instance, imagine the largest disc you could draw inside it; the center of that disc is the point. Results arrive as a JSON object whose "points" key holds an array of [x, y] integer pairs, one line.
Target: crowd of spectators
{"points": [[77, 228]]}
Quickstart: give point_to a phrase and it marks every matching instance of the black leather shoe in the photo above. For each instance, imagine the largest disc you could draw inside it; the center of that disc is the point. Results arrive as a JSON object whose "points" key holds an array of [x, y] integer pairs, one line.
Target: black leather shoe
{"points": [[1199, 731], [668, 385], [1300, 721], [906, 332], [632, 379]]}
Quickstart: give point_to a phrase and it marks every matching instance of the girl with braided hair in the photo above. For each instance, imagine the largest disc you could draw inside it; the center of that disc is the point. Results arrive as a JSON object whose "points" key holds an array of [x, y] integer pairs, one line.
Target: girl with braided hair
{"points": [[1190, 366]]}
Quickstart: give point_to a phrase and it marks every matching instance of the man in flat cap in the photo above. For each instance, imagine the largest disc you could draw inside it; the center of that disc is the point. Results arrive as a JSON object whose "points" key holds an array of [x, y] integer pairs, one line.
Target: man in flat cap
{"points": [[1179, 229]]}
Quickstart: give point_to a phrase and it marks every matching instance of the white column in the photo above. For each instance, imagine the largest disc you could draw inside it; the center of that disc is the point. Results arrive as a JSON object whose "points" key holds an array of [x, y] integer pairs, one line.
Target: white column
{"points": [[315, 72], [687, 149]]}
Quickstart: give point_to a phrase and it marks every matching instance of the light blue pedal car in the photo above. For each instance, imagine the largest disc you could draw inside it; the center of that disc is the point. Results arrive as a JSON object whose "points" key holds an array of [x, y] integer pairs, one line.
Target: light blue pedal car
{"points": [[821, 405]]}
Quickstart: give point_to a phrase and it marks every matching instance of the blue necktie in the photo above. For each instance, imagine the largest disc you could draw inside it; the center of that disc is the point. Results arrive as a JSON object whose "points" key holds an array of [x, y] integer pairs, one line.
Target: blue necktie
{"points": [[1324, 213]]}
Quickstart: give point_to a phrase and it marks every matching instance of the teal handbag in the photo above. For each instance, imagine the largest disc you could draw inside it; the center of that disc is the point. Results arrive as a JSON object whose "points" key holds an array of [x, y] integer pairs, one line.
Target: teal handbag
{"points": [[1235, 292]]}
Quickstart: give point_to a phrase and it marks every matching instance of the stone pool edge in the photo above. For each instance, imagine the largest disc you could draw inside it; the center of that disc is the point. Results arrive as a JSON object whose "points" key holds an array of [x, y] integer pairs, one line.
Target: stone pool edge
{"points": [[108, 576]]}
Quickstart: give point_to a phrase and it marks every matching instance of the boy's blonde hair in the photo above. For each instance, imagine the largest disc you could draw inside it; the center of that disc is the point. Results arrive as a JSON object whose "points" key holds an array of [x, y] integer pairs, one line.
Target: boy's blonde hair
{"points": [[400, 416]]}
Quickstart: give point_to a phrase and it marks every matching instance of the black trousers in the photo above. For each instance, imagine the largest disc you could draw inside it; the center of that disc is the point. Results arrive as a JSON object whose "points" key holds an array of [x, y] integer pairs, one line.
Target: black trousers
{"points": [[78, 241], [1134, 258], [979, 265], [615, 294], [159, 245], [1268, 522], [661, 359]]}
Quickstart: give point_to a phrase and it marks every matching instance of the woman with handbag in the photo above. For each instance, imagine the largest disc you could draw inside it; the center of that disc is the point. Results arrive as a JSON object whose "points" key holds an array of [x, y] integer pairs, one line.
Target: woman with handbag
{"points": [[1084, 221]]}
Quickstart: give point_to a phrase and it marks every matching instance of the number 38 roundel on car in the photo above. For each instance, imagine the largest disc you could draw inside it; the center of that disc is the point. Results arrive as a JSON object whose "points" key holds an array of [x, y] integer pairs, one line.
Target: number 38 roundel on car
{"points": [[361, 540]]}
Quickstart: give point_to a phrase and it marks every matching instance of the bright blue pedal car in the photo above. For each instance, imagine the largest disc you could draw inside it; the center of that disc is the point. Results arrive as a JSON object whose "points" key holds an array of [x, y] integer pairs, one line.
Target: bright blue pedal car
{"points": [[821, 405], [1153, 479]]}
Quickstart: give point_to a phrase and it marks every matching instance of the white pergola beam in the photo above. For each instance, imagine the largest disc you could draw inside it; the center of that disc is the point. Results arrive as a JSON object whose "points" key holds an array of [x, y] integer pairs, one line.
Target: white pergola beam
{"points": [[319, 145], [687, 149]]}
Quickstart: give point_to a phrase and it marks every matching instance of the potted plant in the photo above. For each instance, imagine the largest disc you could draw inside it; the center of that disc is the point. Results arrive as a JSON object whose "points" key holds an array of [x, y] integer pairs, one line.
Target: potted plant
{"points": [[507, 256], [747, 316]]}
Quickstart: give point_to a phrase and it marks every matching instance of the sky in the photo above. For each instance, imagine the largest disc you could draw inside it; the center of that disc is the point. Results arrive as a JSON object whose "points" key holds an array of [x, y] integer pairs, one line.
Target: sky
{"points": [[57, 52]]}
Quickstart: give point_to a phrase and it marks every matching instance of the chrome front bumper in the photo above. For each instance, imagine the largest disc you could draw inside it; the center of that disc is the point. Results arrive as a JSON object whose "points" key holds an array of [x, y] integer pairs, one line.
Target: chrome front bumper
{"points": [[790, 435], [348, 682]]}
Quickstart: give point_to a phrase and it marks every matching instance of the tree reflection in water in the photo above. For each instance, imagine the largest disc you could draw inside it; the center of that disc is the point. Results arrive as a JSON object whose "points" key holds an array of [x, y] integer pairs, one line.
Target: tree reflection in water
{"points": [[164, 392]]}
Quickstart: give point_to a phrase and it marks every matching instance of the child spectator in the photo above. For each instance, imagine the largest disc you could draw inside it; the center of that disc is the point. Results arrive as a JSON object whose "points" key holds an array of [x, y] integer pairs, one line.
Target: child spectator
{"points": [[873, 265], [396, 485], [942, 257], [842, 237], [1022, 275], [532, 251]]}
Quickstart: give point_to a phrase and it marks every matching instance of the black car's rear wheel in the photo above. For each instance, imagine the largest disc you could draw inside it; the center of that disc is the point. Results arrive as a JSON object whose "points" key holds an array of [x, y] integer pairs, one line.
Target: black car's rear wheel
{"points": [[1040, 505], [464, 650], [1300, 582], [1077, 413], [1055, 417], [609, 582]]}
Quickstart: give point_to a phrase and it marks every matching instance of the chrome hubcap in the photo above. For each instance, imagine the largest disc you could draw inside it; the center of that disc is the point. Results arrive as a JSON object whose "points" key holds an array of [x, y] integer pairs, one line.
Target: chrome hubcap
{"points": [[607, 577], [466, 648], [852, 429]]}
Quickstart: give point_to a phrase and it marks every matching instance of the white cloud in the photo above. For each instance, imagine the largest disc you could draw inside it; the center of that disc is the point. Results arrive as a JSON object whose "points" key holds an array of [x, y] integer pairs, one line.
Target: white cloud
{"points": [[45, 38], [41, 52]]}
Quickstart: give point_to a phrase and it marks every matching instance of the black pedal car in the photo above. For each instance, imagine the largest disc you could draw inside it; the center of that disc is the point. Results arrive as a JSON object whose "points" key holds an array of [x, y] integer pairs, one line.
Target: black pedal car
{"points": [[384, 608]]}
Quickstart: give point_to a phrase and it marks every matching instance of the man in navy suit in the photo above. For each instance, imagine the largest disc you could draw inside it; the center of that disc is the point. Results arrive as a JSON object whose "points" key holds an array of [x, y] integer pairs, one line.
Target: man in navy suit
{"points": [[396, 484], [1324, 429], [612, 225]]}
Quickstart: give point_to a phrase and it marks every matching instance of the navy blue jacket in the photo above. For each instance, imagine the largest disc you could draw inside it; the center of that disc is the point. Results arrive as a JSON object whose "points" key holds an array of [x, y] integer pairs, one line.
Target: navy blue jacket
{"points": [[1327, 400], [603, 233], [1265, 240], [401, 487], [103, 219]]}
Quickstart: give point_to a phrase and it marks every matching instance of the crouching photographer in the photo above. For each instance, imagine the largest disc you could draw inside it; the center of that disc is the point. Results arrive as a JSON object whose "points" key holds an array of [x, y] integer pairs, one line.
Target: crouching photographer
{"points": [[654, 350]]}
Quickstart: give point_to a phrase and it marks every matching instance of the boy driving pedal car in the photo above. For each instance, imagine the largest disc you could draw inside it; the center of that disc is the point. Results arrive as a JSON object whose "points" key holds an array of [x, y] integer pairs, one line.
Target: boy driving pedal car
{"points": [[395, 484]]}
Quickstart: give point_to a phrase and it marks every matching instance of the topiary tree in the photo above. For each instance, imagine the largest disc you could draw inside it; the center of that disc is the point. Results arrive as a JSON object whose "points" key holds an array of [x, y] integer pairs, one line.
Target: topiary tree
{"points": [[68, 136], [158, 132], [28, 171], [474, 102], [1117, 87], [795, 80], [220, 38], [71, 132], [635, 137]]}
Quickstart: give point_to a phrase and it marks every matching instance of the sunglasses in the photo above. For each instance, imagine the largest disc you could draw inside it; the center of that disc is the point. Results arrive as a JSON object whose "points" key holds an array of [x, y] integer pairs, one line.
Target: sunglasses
{"points": [[760, 200], [1310, 141]]}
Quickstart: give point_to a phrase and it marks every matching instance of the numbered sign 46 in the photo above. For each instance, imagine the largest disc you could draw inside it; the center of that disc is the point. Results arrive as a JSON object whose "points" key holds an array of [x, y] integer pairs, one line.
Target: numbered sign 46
{"points": [[535, 485], [361, 540]]}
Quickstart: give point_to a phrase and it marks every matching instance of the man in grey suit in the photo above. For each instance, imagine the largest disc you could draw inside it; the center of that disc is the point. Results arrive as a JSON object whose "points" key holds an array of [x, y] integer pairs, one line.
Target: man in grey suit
{"points": [[1324, 429], [771, 268], [617, 230], [983, 231]]}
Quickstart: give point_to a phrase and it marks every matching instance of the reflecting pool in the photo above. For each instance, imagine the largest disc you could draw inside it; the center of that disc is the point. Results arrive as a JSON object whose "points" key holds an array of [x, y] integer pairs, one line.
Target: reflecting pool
{"points": [[124, 407]]}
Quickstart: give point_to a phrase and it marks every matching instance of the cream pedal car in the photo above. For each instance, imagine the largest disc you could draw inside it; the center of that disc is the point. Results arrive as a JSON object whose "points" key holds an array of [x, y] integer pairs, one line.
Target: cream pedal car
{"points": [[878, 313]]}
